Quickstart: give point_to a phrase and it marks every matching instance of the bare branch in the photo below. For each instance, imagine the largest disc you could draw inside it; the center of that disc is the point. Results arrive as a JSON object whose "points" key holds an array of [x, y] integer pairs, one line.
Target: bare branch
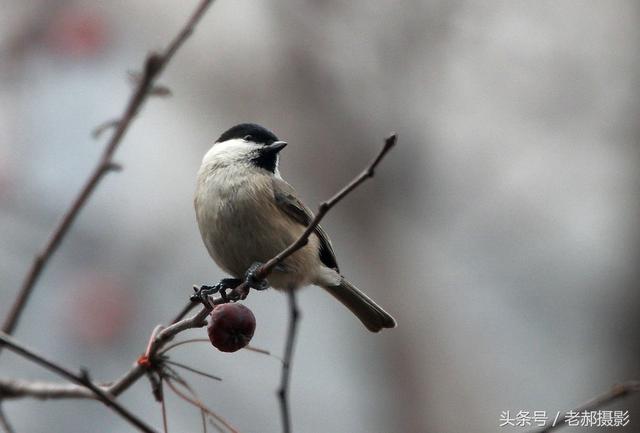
{"points": [[100, 129], [163, 408], [16, 388], [242, 290], [194, 400], [193, 370], [160, 337], [43, 390], [326, 206], [180, 343], [618, 392], [154, 65], [283, 391], [81, 379], [4, 423], [186, 310]]}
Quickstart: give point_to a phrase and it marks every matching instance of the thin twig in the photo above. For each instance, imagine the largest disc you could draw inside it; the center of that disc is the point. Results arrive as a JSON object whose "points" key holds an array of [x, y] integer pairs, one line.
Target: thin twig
{"points": [[163, 408], [100, 129], [12, 388], [162, 338], [180, 343], [283, 391], [242, 290], [16, 388], [186, 310], [153, 66], [80, 379], [158, 344], [262, 352], [193, 370], [618, 392], [4, 422], [194, 400], [326, 206], [206, 340]]}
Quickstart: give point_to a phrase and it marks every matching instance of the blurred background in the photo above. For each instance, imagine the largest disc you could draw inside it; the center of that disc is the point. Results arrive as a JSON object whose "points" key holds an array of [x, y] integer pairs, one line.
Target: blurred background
{"points": [[501, 233]]}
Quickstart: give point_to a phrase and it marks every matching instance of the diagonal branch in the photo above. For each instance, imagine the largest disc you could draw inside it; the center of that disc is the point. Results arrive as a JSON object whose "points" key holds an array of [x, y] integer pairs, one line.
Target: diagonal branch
{"points": [[618, 392], [160, 338], [326, 207], [242, 290], [154, 65], [11, 388], [81, 379], [4, 422]]}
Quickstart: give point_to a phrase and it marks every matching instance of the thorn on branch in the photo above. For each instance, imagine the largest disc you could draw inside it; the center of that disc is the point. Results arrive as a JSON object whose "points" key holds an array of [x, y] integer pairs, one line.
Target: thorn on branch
{"points": [[4, 422], [113, 166], [136, 79], [153, 65], [160, 91], [84, 375], [100, 129]]}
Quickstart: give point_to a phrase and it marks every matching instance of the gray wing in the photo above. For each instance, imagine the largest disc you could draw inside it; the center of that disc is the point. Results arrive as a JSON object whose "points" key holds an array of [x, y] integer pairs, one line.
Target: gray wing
{"points": [[288, 202]]}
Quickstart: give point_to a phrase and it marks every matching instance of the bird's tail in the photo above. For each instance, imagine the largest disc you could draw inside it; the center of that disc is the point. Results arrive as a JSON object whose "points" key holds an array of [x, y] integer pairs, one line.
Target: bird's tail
{"points": [[369, 313]]}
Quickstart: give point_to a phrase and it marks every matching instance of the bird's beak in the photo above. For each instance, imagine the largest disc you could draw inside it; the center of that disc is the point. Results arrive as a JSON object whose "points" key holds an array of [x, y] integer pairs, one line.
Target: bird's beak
{"points": [[275, 147]]}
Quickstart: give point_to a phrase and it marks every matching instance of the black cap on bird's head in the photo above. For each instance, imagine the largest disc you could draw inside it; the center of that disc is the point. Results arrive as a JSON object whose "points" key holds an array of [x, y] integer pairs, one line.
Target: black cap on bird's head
{"points": [[249, 132], [268, 145]]}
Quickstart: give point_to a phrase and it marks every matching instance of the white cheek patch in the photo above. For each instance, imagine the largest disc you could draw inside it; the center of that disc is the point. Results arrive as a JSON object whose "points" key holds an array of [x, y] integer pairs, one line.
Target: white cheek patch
{"points": [[229, 151]]}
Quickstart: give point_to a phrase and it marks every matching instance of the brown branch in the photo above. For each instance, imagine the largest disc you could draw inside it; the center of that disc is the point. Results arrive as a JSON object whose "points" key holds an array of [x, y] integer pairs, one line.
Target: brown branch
{"points": [[153, 66], [327, 205], [283, 391], [618, 392], [194, 400], [79, 378], [185, 310], [11, 388], [163, 408], [242, 290], [193, 370], [161, 336]]}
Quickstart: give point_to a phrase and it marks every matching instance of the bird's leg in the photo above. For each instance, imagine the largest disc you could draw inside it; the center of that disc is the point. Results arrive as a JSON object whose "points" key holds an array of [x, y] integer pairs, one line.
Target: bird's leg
{"points": [[203, 292], [252, 280]]}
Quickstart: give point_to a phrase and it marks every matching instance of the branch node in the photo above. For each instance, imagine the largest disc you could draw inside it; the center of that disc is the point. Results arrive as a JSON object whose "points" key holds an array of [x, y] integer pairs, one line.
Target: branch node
{"points": [[160, 91], [113, 166], [153, 65], [100, 129]]}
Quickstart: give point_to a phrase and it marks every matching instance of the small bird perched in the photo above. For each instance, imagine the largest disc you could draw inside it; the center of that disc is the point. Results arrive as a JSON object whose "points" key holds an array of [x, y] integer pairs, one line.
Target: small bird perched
{"points": [[247, 214]]}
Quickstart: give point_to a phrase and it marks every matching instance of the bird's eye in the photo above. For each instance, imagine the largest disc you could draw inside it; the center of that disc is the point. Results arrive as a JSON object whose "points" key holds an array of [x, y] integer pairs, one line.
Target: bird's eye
{"points": [[247, 138]]}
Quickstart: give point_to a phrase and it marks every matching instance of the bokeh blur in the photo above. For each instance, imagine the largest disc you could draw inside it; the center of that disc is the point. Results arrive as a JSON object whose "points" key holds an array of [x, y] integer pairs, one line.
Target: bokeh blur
{"points": [[501, 232]]}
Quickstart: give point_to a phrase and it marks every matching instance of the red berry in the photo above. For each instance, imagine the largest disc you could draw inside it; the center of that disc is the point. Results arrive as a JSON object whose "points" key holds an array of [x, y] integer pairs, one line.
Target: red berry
{"points": [[231, 327]]}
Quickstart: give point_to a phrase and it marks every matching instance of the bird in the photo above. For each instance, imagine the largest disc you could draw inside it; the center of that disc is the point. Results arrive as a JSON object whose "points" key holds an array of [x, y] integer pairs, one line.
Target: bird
{"points": [[247, 213]]}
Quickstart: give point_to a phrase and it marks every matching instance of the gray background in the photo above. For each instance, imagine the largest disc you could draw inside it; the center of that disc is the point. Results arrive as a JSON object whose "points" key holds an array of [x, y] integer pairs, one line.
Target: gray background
{"points": [[501, 233]]}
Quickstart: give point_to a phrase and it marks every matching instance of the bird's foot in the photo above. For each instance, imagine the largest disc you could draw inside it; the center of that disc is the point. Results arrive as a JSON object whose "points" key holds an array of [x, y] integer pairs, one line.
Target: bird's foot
{"points": [[203, 292], [252, 280]]}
